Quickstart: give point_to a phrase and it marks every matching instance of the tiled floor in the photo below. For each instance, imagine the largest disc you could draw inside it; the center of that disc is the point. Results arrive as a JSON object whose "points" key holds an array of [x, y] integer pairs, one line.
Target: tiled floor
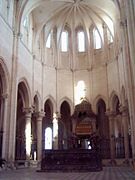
{"points": [[108, 173]]}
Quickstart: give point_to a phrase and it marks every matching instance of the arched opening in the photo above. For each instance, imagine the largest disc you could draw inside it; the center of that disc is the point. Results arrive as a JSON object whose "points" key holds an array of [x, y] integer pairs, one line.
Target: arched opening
{"points": [[1, 114], [48, 138], [64, 41], [47, 125], [23, 142], [103, 128], [20, 152], [97, 39], [3, 105], [65, 127], [118, 129], [81, 41], [34, 128]]}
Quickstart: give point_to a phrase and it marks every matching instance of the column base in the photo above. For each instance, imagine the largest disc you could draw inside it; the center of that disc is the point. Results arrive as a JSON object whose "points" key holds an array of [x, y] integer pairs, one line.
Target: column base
{"points": [[34, 163], [11, 165]]}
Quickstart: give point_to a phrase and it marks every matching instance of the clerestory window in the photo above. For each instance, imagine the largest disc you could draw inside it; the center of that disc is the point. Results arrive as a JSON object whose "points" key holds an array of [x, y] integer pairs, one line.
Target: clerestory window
{"points": [[48, 42], [97, 39], [81, 41], [64, 41]]}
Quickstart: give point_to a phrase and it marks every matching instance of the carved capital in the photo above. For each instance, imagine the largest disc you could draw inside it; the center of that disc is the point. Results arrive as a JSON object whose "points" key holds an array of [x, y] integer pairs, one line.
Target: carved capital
{"points": [[56, 115], [4, 96], [124, 110], [28, 112], [39, 115], [110, 114]]}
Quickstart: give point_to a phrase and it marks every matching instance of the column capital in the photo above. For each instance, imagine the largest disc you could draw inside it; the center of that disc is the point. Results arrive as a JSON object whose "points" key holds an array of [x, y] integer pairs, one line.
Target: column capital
{"points": [[56, 115], [110, 114], [118, 116], [39, 115], [28, 112], [124, 110], [4, 96]]}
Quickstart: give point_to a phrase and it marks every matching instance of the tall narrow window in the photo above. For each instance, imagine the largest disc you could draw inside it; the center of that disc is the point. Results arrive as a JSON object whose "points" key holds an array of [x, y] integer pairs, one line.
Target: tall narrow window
{"points": [[81, 41], [48, 42], [48, 138], [97, 39], [26, 23], [64, 41]]}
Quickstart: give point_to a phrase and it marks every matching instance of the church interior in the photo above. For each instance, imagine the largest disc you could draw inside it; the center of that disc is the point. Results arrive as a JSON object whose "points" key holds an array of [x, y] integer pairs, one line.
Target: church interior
{"points": [[67, 84]]}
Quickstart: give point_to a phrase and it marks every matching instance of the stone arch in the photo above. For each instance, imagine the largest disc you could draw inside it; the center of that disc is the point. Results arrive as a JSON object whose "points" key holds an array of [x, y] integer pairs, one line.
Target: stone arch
{"points": [[37, 101], [48, 119], [101, 116], [52, 100], [24, 90], [103, 127], [5, 76], [49, 103], [4, 90], [96, 101], [118, 130], [65, 126], [34, 127], [112, 100], [68, 101], [22, 148]]}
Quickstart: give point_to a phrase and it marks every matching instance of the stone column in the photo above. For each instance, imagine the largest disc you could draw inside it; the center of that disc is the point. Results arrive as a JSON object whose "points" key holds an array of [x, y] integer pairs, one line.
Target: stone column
{"points": [[111, 117], [5, 127], [129, 9], [55, 130], [106, 46], [39, 118], [129, 82], [28, 112], [13, 101], [125, 128]]}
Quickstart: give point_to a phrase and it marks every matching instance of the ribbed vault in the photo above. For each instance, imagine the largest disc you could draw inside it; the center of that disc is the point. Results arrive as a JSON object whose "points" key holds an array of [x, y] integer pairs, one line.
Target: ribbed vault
{"points": [[58, 13]]}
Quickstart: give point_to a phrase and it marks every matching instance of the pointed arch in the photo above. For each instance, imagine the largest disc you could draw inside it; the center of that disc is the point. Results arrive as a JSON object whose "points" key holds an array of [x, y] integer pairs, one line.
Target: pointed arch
{"points": [[65, 125], [112, 97], [48, 107], [98, 97], [68, 101], [24, 89], [4, 90], [114, 101], [52, 100], [5, 76], [37, 99]]}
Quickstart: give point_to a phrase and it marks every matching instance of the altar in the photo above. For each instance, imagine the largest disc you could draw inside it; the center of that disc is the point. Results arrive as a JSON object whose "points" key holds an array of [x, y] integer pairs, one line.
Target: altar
{"points": [[75, 160], [84, 154]]}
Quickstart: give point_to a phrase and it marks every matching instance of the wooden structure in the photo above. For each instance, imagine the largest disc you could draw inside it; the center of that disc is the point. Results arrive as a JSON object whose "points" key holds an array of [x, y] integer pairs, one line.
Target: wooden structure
{"points": [[85, 152], [71, 160]]}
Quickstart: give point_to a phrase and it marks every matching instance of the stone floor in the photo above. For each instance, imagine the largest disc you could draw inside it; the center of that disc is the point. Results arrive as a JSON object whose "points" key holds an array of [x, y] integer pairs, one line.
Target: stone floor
{"points": [[108, 173]]}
